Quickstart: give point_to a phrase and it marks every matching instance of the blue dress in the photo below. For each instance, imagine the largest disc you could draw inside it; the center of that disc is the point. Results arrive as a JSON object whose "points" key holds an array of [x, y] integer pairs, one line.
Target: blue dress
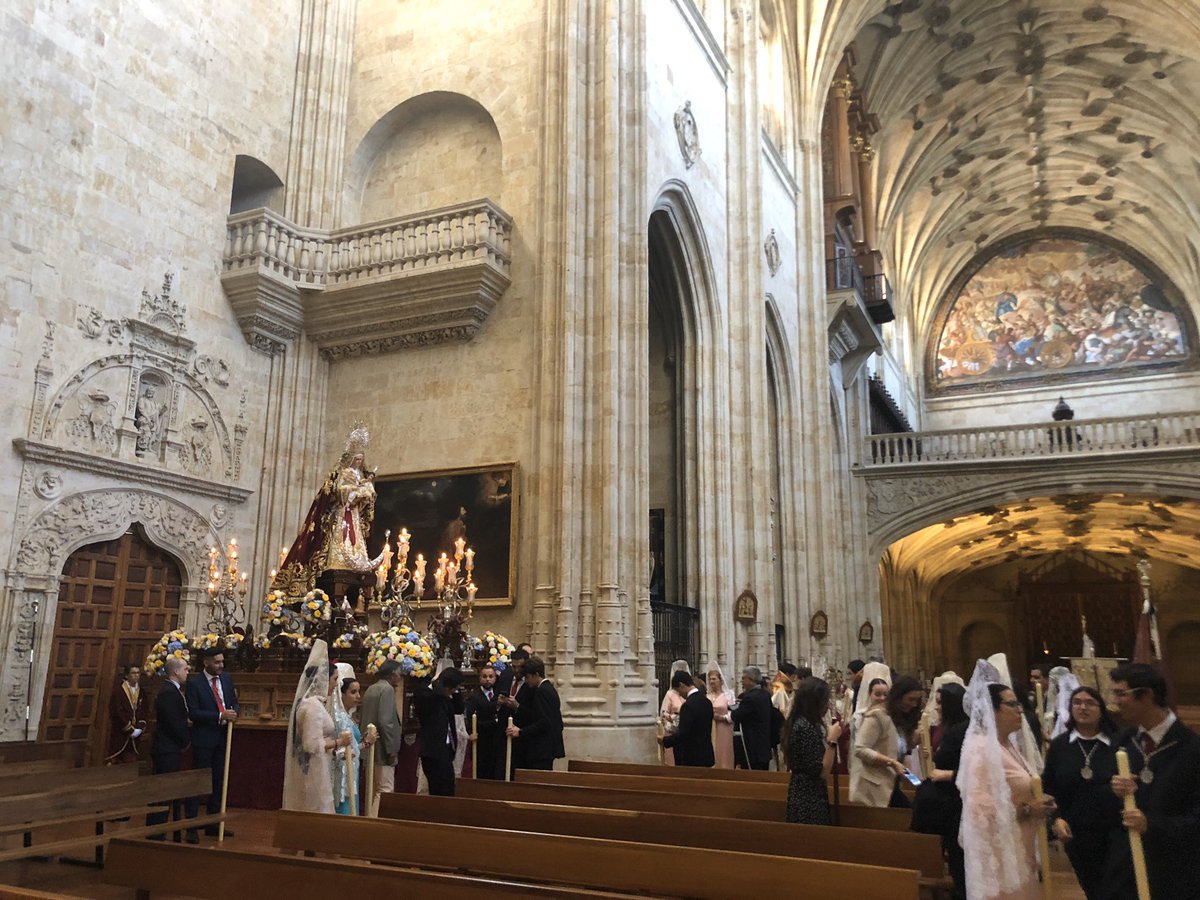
{"points": [[343, 722]]}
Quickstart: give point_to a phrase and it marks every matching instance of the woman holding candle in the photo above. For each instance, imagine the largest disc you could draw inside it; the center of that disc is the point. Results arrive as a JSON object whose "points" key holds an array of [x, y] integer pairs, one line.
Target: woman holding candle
{"points": [[311, 739], [345, 701], [1080, 764]]}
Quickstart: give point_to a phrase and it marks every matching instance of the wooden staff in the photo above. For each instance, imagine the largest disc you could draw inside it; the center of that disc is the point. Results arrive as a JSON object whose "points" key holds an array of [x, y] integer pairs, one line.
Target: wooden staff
{"points": [[1039, 800], [475, 745], [370, 792], [508, 759], [1135, 839], [351, 781], [225, 781]]}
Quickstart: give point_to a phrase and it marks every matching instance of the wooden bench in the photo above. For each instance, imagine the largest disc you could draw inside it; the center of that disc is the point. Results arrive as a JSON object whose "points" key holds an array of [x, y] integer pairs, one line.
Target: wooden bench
{"points": [[65, 779], [677, 802], [16, 892], [27, 813], [217, 874], [70, 752], [587, 862], [855, 845], [741, 776]]}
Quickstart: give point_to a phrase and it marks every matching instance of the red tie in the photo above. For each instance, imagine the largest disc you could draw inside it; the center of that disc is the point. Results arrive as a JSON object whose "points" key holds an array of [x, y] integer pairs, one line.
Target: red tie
{"points": [[1147, 743], [217, 695]]}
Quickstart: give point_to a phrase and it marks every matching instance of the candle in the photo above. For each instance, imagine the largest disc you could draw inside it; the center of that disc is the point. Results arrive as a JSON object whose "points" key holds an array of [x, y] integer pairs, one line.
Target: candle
{"points": [[459, 544], [470, 554], [471, 589], [273, 574], [282, 556], [420, 567]]}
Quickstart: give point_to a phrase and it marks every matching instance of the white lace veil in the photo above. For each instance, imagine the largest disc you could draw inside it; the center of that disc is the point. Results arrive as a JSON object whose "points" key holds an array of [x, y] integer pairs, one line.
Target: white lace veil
{"points": [[872, 671], [726, 690], [336, 706], [680, 665], [1061, 690], [935, 717], [1026, 743], [314, 682], [989, 833]]}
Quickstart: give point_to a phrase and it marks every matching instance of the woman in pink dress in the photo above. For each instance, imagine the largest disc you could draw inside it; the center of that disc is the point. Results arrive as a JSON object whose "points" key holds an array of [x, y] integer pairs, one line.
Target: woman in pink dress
{"points": [[668, 713], [1000, 820], [722, 699]]}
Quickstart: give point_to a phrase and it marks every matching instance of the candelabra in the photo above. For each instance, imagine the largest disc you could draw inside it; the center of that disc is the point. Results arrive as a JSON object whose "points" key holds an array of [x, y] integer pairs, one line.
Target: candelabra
{"points": [[226, 590]]}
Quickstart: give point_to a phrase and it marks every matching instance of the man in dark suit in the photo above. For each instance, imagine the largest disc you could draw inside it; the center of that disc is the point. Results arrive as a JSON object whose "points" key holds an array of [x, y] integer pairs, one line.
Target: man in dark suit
{"points": [[541, 737], [489, 740], [516, 700], [1164, 762], [436, 706], [692, 740], [171, 737], [752, 715], [212, 701]]}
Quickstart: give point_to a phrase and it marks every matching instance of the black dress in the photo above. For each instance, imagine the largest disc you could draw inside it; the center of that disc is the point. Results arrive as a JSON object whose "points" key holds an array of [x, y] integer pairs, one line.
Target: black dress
{"points": [[937, 808], [1088, 805], [808, 797]]}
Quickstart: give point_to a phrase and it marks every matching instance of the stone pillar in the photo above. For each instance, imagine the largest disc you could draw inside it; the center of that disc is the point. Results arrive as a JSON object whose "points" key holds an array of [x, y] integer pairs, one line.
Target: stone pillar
{"points": [[313, 186], [749, 454], [588, 476]]}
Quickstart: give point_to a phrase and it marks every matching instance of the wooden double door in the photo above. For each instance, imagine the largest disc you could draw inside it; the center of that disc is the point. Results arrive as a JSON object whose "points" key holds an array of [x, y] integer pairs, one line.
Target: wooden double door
{"points": [[116, 598]]}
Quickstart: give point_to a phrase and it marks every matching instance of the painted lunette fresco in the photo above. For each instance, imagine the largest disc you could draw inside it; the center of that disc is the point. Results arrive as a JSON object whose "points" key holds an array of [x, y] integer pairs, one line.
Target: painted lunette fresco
{"points": [[1056, 306]]}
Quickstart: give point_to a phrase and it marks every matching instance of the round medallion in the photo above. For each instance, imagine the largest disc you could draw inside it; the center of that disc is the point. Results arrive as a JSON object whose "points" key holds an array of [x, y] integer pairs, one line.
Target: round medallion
{"points": [[1146, 776], [975, 357], [1057, 353], [1086, 773]]}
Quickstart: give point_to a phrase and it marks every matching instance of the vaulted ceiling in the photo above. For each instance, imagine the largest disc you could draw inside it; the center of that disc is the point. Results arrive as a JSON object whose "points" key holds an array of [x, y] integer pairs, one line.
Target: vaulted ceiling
{"points": [[1166, 528], [999, 116]]}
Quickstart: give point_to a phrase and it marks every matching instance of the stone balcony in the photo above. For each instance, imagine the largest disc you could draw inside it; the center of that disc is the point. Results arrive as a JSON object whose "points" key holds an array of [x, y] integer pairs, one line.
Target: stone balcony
{"points": [[410, 281], [914, 479]]}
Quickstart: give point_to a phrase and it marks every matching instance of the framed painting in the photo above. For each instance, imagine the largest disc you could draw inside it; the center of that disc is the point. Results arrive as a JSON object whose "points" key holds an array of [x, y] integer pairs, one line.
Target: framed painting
{"points": [[477, 504]]}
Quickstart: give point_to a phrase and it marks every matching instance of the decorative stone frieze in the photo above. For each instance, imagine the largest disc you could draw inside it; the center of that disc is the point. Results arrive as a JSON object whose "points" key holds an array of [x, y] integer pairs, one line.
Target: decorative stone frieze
{"points": [[411, 281]]}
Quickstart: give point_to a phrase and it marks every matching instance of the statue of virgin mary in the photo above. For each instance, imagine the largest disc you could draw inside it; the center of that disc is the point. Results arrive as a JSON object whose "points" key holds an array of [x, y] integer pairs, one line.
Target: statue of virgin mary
{"points": [[334, 534]]}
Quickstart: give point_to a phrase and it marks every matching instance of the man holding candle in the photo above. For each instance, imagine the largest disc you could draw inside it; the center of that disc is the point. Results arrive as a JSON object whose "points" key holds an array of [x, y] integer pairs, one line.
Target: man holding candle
{"points": [[212, 702], [1164, 780], [541, 735], [483, 709]]}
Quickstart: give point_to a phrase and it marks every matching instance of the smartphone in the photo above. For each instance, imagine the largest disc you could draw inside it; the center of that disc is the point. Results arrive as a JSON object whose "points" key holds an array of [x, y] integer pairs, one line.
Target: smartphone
{"points": [[912, 779]]}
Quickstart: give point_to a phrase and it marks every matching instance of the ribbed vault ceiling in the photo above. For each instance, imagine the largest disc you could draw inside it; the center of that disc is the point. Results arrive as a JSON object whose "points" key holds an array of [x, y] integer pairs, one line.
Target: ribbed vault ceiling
{"points": [[998, 116], [1166, 528]]}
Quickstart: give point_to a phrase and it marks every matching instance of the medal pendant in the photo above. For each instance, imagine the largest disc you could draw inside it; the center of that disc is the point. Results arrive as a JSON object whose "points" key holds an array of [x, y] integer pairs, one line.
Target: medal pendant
{"points": [[1086, 773], [1146, 776]]}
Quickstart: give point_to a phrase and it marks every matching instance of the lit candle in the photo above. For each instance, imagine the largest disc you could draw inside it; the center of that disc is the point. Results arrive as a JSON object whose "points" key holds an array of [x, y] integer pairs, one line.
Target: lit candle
{"points": [[458, 548], [242, 590], [471, 589], [272, 574], [420, 567], [439, 580], [211, 587], [282, 556], [470, 554]]}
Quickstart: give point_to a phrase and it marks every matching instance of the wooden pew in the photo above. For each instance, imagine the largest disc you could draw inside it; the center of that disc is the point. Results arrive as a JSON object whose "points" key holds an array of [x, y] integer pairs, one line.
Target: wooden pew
{"points": [[16, 892], [60, 780], [28, 813], [71, 752], [855, 845], [217, 874], [674, 803], [740, 776], [586, 862], [35, 767], [695, 787]]}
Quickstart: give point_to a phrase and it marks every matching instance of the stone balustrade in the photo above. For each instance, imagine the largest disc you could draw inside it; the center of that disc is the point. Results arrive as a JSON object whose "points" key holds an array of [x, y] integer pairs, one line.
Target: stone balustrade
{"points": [[1079, 438], [411, 280]]}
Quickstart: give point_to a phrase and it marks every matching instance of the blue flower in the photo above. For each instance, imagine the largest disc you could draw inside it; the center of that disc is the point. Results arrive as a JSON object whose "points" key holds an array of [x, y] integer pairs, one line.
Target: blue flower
{"points": [[175, 645]]}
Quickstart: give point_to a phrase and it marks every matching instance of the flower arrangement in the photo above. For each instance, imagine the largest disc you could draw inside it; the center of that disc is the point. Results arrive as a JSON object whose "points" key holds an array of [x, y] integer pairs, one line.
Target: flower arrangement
{"points": [[205, 641], [344, 641], [273, 611], [497, 649], [172, 644], [263, 642], [315, 607], [403, 644]]}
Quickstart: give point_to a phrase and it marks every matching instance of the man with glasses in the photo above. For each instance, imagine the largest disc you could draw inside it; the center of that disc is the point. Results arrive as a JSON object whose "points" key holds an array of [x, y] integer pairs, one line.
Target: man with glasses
{"points": [[1164, 761]]}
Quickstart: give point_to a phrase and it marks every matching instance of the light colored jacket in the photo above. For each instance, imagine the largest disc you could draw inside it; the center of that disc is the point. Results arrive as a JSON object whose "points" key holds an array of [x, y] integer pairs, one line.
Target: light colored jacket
{"points": [[871, 781], [379, 709]]}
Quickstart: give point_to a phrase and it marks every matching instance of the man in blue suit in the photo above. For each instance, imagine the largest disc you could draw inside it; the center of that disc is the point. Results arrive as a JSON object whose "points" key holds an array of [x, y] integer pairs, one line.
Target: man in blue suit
{"points": [[211, 701]]}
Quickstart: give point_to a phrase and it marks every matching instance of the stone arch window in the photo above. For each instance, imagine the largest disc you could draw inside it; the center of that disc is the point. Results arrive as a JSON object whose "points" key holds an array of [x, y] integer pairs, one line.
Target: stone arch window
{"points": [[433, 150], [255, 185]]}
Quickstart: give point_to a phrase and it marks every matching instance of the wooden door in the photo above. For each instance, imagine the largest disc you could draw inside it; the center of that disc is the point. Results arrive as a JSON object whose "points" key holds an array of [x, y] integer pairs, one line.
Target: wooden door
{"points": [[115, 600]]}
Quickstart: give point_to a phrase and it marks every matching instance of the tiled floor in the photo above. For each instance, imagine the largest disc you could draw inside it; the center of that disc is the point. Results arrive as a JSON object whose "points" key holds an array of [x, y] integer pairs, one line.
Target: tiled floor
{"points": [[252, 831]]}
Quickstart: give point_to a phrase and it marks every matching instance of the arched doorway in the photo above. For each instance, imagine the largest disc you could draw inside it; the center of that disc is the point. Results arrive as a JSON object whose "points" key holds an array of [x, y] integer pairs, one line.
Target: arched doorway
{"points": [[115, 599]]}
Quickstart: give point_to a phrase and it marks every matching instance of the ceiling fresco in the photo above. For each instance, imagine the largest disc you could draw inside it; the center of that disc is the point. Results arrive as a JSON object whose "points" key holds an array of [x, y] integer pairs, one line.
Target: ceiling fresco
{"points": [[999, 116], [1056, 307]]}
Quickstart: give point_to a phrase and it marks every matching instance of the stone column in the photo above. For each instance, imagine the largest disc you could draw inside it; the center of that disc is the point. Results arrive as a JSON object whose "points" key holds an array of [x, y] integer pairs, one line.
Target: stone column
{"points": [[313, 186], [749, 462]]}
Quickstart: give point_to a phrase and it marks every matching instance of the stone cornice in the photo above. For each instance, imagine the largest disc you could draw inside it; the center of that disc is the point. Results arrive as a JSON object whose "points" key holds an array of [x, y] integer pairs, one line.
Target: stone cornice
{"points": [[125, 471]]}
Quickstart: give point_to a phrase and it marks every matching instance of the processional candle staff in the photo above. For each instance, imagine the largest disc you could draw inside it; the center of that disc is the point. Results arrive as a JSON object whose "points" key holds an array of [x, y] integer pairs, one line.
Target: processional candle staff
{"points": [[1136, 850]]}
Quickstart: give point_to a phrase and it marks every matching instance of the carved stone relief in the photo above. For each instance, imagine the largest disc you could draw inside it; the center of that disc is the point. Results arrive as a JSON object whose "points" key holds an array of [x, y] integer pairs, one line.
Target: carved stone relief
{"points": [[93, 428], [150, 417], [208, 369], [771, 249], [47, 484], [196, 450], [689, 136]]}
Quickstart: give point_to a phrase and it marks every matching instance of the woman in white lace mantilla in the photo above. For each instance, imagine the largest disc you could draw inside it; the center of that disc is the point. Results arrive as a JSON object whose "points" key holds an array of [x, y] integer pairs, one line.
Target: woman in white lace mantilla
{"points": [[1000, 820], [312, 740]]}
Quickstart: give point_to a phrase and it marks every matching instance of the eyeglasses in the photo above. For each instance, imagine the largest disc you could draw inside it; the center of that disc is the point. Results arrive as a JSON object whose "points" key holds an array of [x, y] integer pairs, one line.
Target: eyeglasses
{"points": [[1011, 704], [1085, 704]]}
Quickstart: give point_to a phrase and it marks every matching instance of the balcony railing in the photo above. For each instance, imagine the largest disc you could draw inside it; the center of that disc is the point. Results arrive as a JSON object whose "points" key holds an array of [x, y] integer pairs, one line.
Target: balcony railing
{"points": [[843, 273], [260, 238], [1085, 437]]}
